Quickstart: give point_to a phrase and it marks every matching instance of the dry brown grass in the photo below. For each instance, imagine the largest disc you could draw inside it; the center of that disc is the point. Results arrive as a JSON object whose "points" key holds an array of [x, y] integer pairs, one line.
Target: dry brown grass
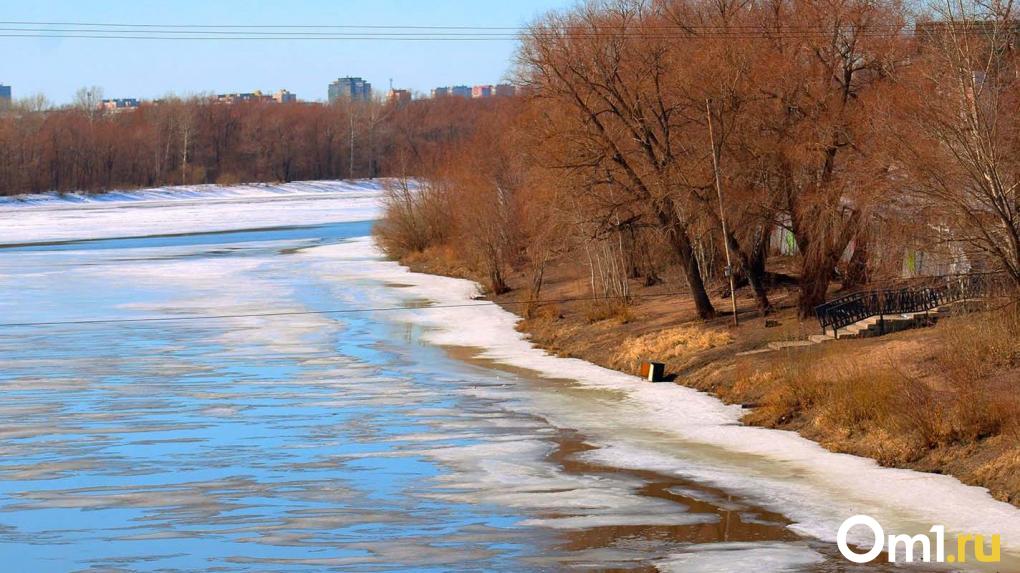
{"points": [[978, 356], [609, 309], [845, 406], [670, 344], [980, 344], [438, 260], [876, 409], [547, 311], [1004, 470]]}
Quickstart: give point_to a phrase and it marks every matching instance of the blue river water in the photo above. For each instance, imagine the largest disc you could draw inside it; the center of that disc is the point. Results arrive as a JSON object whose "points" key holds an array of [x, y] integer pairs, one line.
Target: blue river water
{"points": [[300, 442]]}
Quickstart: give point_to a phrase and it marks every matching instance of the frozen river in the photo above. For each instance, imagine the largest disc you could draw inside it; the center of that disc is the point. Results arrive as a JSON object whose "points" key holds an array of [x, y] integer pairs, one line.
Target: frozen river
{"points": [[235, 380]]}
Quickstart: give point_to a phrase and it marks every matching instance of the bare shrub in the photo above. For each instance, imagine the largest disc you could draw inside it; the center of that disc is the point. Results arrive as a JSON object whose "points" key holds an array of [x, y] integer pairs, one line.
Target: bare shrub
{"points": [[973, 352], [785, 392], [413, 218], [545, 311]]}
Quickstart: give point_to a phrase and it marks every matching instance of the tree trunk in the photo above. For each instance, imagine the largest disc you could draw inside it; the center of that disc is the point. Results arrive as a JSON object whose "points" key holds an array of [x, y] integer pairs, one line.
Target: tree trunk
{"points": [[820, 253], [857, 269], [814, 282], [753, 266], [756, 277], [496, 282], [681, 243], [535, 290]]}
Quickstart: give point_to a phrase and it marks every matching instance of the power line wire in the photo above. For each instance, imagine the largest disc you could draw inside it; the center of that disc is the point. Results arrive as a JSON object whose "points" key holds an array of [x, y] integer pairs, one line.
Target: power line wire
{"points": [[257, 27], [205, 32], [432, 38], [677, 27], [257, 38], [416, 33]]}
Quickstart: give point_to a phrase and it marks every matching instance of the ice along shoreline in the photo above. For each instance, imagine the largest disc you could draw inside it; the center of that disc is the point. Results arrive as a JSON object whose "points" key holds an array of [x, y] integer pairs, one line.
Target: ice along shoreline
{"points": [[814, 487]]}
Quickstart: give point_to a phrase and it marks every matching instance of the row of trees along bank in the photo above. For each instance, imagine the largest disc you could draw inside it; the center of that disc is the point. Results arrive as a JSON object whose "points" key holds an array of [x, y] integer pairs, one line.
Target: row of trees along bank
{"points": [[857, 128], [197, 140]]}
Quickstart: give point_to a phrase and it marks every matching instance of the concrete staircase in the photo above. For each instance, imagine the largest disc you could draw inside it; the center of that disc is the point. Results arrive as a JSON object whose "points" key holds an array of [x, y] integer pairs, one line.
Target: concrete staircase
{"points": [[872, 326], [887, 324]]}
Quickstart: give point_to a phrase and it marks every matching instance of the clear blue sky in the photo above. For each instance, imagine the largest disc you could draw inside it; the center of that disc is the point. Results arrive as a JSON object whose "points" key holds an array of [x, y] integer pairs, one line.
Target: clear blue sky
{"points": [[57, 67]]}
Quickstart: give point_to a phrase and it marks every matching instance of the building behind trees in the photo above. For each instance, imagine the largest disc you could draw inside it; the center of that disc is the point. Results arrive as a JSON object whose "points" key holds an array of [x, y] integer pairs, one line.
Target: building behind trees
{"points": [[350, 88]]}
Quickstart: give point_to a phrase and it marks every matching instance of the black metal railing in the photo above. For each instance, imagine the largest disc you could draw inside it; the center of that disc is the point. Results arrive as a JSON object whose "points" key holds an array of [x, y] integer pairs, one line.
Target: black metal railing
{"points": [[937, 291]]}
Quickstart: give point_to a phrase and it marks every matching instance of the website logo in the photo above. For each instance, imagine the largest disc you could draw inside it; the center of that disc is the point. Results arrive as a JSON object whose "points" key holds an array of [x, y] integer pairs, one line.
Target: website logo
{"points": [[906, 548]]}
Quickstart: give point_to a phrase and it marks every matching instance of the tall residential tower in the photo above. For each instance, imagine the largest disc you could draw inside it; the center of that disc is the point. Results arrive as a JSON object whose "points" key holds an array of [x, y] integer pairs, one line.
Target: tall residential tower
{"points": [[355, 89]]}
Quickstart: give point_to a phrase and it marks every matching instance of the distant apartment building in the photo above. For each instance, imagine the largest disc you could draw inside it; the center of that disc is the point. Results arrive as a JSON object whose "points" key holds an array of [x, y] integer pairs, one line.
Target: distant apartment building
{"points": [[350, 88], [459, 91], [249, 97], [500, 90], [281, 96], [479, 91], [284, 96], [398, 97], [119, 104], [5, 94], [504, 90]]}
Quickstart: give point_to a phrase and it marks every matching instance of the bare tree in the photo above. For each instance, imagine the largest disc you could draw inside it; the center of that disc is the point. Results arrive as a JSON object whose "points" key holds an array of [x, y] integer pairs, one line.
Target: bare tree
{"points": [[813, 101], [959, 109], [610, 74], [89, 100]]}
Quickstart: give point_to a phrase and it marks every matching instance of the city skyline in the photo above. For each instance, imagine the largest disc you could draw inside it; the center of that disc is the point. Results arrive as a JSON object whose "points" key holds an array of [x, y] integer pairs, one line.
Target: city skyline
{"points": [[283, 95], [117, 102], [150, 69]]}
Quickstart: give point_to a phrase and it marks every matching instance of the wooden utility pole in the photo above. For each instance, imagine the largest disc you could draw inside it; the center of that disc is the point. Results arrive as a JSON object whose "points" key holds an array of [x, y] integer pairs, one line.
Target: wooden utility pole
{"points": [[722, 211]]}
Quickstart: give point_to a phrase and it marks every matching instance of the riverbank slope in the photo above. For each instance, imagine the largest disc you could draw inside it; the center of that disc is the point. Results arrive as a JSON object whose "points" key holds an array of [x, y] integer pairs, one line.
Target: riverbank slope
{"points": [[935, 400]]}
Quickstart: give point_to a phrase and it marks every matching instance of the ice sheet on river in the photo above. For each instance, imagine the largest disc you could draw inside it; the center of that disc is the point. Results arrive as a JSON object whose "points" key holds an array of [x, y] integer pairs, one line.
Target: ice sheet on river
{"points": [[185, 209]]}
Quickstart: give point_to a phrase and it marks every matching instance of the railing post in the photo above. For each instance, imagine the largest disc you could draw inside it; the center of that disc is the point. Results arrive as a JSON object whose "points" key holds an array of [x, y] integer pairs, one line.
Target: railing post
{"points": [[881, 313]]}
